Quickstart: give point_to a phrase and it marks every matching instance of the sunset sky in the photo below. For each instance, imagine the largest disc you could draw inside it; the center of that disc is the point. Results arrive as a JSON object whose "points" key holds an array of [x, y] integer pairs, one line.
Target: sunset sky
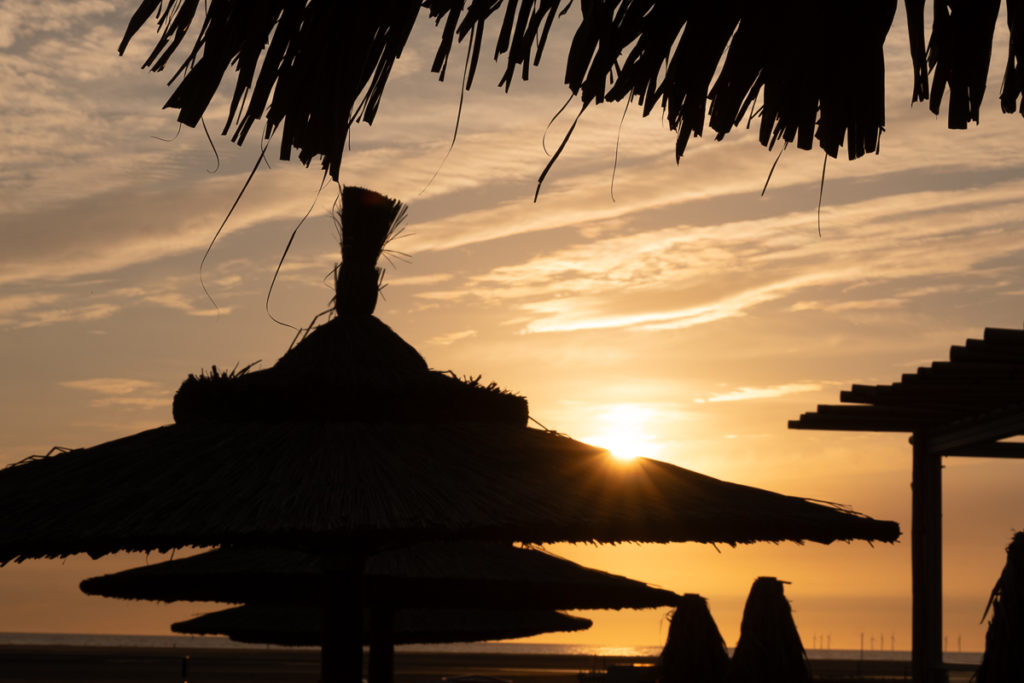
{"points": [[688, 315]]}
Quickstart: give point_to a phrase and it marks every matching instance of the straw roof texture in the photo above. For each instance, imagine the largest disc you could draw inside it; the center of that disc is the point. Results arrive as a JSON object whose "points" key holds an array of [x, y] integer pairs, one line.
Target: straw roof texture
{"points": [[306, 483], [769, 649], [809, 70], [386, 452], [694, 651], [1004, 656], [454, 575], [297, 625]]}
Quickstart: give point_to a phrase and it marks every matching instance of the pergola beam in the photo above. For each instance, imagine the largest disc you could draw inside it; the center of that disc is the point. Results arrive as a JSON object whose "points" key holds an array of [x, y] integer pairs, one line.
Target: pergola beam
{"points": [[963, 407], [995, 449], [976, 432]]}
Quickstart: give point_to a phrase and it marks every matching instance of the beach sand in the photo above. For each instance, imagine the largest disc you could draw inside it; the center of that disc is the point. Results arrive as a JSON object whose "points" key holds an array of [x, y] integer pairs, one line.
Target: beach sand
{"points": [[48, 664]]}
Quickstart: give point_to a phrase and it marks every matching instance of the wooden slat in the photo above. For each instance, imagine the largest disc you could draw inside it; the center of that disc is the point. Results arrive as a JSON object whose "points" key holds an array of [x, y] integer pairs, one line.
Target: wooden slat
{"points": [[997, 449], [977, 430]]}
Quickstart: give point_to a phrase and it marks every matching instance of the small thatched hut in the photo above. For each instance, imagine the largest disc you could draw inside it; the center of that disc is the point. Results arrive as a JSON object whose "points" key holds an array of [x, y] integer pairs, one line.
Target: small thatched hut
{"points": [[350, 444], [694, 651], [1004, 642], [809, 70], [300, 625], [769, 650]]}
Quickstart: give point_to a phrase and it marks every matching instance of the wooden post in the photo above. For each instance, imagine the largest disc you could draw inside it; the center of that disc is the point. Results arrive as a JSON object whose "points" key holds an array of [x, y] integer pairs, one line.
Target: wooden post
{"points": [[341, 649], [382, 644], [926, 561]]}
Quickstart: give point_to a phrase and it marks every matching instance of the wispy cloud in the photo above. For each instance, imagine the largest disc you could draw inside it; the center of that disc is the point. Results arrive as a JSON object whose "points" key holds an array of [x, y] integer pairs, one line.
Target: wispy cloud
{"points": [[109, 385], [752, 393], [122, 392], [452, 337]]}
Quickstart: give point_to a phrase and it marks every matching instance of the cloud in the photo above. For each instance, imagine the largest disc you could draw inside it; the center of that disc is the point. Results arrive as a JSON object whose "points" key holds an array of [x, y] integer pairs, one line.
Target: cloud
{"points": [[752, 393], [452, 337], [116, 386], [25, 18], [122, 392], [52, 316]]}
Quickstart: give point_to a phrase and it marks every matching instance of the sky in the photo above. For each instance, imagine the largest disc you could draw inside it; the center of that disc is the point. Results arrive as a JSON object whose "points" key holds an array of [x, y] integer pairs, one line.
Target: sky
{"points": [[637, 301]]}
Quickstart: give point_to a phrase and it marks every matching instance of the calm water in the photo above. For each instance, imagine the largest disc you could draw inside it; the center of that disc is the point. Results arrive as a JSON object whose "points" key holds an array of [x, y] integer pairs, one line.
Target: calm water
{"points": [[193, 642]]}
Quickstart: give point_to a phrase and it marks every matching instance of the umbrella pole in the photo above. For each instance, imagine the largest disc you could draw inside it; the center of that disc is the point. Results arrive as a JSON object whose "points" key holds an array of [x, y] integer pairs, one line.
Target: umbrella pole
{"points": [[382, 644], [341, 650]]}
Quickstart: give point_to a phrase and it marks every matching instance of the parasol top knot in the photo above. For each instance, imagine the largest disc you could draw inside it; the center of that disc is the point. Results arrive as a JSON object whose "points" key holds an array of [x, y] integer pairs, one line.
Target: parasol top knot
{"points": [[368, 221]]}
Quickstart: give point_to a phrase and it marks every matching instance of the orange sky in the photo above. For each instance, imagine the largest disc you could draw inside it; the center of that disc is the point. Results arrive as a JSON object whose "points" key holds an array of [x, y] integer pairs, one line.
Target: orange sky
{"points": [[689, 315]]}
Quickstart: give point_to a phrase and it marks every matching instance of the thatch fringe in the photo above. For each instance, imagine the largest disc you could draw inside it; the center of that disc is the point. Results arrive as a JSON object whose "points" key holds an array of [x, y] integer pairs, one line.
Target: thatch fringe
{"points": [[958, 56], [1004, 656], [694, 651], [816, 68], [769, 650]]}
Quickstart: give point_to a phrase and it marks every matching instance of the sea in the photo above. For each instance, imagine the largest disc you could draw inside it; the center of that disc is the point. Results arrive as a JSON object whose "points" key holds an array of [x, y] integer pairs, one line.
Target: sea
{"points": [[636, 651]]}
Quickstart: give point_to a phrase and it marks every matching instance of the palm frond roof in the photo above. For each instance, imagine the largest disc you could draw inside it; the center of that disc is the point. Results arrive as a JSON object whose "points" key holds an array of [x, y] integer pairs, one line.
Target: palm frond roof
{"points": [[808, 70]]}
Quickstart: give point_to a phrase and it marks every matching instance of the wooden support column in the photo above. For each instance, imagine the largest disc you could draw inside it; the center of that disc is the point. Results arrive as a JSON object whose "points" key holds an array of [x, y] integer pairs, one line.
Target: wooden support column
{"points": [[382, 644], [341, 649], [926, 561]]}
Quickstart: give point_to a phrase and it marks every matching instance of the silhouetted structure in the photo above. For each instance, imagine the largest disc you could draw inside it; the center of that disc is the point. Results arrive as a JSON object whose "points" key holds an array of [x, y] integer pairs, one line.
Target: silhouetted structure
{"points": [[809, 70], [454, 574], [474, 576], [964, 406], [694, 651], [1004, 641], [300, 625], [350, 445], [769, 650]]}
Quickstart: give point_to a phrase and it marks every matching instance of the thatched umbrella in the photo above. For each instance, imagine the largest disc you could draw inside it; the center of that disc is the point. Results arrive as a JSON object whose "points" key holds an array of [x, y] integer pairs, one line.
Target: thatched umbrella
{"points": [[313, 68], [472, 575], [350, 444], [455, 574], [769, 650], [300, 624], [694, 651], [1004, 656]]}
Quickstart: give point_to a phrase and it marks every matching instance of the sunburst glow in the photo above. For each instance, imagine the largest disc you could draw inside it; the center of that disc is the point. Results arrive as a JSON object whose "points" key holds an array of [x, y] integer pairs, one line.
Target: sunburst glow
{"points": [[623, 432]]}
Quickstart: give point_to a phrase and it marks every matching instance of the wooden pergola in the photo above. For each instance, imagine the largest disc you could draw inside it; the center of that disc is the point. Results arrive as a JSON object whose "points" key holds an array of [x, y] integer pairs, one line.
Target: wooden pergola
{"points": [[965, 406]]}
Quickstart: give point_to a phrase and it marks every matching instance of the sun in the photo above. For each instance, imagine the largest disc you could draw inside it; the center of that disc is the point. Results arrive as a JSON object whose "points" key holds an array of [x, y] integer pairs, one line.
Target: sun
{"points": [[623, 432]]}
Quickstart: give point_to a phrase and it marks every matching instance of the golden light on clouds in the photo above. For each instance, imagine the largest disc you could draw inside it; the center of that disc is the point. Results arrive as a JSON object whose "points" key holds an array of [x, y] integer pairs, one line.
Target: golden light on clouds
{"points": [[624, 432]]}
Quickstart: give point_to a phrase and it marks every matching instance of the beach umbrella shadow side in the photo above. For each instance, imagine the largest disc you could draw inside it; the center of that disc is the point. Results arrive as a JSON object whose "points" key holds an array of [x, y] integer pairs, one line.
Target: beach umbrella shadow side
{"points": [[350, 445], [769, 649], [694, 650], [1004, 654]]}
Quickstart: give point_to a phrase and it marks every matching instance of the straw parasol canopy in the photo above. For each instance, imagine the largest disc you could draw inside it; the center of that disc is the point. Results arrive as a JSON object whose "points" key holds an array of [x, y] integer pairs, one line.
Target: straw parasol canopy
{"points": [[1004, 657], [809, 70], [300, 625], [350, 444], [769, 650], [694, 651], [457, 575], [351, 438], [446, 576]]}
